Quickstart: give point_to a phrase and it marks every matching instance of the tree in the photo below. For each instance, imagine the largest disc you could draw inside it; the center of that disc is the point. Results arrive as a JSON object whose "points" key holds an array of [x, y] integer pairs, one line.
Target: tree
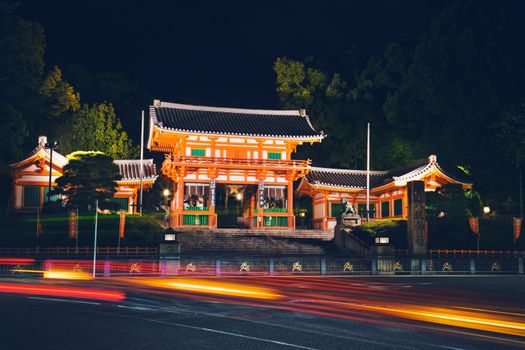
{"points": [[510, 137], [12, 134], [88, 176], [60, 97], [21, 66], [96, 127], [461, 74], [125, 94]]}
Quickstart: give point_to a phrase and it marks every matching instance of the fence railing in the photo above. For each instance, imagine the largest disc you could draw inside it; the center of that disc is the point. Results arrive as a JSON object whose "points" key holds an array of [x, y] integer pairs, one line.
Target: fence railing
{"points": [[287, 265], [79, 250], [492, 252]]}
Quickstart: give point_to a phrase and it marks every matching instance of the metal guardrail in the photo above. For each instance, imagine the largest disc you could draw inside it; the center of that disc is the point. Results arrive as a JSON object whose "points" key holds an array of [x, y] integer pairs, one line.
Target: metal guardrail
{"points": [[492, 252], [269, 266], [78, 251]]}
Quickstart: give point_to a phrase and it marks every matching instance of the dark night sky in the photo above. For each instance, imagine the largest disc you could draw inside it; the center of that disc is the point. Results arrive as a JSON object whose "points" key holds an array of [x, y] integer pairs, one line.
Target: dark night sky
{"points": [[218, 52]]}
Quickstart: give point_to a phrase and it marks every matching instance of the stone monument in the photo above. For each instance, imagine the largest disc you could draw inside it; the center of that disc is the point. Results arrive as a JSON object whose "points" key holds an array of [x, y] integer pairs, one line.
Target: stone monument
{"points": [[417, 223], [348, 217]]}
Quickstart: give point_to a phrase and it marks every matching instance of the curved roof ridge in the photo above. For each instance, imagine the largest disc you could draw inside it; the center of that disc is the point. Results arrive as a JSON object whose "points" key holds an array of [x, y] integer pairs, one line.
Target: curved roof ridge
{"points": [[133, 161], [349, 171], [161, 104]]}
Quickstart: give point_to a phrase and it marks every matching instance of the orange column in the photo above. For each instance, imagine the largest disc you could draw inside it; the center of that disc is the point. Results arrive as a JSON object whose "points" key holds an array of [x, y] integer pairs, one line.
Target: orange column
{"points": [[405, 203], [326, 214], [212, 222], [178, 204], [291, 218], [260, 208], [252, 207]]}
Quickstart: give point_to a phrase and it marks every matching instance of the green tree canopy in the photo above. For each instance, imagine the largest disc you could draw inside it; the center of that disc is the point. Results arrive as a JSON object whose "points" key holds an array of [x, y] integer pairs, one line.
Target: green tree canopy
{"points": [[510, 133], [88, 176], [21, 66], [125, 94], [441, 95], [96, 127], [60, 97]]}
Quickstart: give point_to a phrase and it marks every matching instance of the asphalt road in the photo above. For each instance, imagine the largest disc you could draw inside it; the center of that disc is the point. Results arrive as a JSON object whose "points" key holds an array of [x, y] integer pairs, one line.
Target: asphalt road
{"points": [[302, 313]]}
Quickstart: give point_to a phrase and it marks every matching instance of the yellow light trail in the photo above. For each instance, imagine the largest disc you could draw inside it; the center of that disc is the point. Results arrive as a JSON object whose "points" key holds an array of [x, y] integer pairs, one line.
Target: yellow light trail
{"points": [[211, 287], [60, 274], [481, 320]]}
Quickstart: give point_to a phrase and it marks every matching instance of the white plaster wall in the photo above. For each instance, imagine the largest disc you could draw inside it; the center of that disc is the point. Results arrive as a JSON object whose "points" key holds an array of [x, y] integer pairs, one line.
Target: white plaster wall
{"points": [[319, 210], [236, 178], [18, 203]]}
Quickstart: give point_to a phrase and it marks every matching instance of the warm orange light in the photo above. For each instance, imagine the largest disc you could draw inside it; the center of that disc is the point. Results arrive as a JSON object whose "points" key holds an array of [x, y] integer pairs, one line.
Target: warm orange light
{"points": [[481, 320], [62, 291], [67, 275], [211, 287], [16, 261]]}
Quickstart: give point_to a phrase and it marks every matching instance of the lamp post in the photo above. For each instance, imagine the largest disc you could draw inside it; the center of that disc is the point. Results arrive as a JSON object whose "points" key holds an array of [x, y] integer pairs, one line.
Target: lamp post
{"points": [[51, 145], [302, 214], [166, 194], [95, 240]]}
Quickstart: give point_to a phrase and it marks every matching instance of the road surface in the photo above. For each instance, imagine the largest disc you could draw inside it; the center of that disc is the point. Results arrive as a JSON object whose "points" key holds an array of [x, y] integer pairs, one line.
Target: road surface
{"points": [[264, 313]]}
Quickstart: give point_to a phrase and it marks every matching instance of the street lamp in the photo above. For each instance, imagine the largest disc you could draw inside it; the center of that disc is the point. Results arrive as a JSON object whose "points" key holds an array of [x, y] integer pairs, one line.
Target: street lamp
{"points": [[486, 210], [166, 194], [51, 145]]}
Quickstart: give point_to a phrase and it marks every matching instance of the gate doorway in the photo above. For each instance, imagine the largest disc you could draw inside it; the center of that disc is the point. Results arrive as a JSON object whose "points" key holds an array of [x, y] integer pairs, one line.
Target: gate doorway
{"points": [[232, 205]]}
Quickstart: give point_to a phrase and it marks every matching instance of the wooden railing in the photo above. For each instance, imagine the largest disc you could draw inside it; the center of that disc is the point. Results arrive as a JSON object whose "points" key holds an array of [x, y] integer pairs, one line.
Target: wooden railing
{"points": [[80, 250], [272, 220], [467, 252], [173, 161]]}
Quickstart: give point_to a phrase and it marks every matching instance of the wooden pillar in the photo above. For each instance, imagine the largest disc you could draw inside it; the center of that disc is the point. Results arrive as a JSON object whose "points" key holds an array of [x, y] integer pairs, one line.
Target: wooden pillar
{"points": [[260, 197], [212, 222], [391, 205], [291, 221], [178, 203], [326, 214], [252, 207], [212, 146], [404, 203]]}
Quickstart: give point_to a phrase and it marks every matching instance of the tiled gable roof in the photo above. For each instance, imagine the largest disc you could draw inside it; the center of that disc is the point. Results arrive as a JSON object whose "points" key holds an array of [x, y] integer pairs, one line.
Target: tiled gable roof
{"points": [[356, 179], [344, 178], [232, 121], [129, 169]]}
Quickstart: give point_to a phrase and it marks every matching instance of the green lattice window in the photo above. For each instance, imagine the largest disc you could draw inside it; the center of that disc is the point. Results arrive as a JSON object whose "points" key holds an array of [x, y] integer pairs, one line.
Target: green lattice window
{"points": [[361, 210], [54, 197], [122, 202], [398, 207], [337, 209], [274, 155], [275, 221], [31, 196], [195, 220], [385, 209], [198, 152]]}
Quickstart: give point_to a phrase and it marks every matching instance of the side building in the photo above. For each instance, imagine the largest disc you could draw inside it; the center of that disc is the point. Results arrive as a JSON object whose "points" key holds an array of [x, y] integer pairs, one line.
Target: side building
{"points": [[230, 167], [31, 179], [388, 190]]}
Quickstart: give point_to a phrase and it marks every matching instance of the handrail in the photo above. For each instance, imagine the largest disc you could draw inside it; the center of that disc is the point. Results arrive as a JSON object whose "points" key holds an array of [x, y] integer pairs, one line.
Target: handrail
{"points": [[236, 162], [467, 252], [80, 250]]}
